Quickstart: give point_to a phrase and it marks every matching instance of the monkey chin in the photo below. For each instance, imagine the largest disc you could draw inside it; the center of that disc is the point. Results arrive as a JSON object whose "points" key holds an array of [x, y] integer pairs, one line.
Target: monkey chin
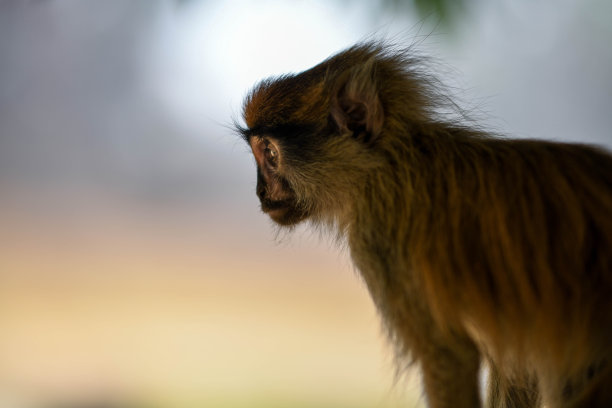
{"points": [[285, 216]]}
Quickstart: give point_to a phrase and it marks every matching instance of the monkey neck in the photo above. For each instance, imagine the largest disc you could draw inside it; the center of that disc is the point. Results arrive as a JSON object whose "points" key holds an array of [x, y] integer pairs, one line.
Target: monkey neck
{"points": [[398, 208], [410, 178]]}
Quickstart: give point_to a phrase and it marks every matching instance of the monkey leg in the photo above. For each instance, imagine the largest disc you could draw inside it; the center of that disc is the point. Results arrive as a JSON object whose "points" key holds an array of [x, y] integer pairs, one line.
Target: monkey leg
{"points": [[506, 393], [450, 375]]}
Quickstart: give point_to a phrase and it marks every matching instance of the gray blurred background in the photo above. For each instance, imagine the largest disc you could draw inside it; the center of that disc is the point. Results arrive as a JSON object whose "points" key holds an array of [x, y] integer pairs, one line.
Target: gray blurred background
{"points": [[135, 267]]}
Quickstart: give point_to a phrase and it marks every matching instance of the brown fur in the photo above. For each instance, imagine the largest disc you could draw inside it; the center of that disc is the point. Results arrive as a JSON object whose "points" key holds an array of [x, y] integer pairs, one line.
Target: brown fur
{"points": [[475, 249]]}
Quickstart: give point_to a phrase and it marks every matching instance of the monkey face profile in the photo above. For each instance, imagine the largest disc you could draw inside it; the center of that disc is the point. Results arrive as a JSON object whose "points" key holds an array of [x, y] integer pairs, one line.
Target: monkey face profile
{"points": [[289, 185], [477, 250], [277, 197], [312, 137]]}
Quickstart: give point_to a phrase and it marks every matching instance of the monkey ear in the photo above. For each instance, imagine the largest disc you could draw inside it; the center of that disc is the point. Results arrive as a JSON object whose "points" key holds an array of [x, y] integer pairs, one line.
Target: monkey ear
{"points": [[355, 106]]}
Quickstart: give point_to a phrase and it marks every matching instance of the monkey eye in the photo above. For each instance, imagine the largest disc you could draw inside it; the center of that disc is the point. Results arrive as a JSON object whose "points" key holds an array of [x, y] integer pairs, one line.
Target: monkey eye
{"points": [[271, 153]]}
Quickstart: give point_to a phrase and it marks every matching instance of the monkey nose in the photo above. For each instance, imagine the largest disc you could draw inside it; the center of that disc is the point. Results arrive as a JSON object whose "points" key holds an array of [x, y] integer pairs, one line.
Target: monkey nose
{"points": [[261, 191]]}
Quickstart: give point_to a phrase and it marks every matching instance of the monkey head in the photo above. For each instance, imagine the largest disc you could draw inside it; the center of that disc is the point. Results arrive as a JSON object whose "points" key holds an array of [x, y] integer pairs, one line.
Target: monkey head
{"points": [[316, 134]]}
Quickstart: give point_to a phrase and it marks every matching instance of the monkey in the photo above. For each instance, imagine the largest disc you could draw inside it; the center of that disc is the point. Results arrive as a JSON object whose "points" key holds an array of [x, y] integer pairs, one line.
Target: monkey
{"points": [[478, 250]]}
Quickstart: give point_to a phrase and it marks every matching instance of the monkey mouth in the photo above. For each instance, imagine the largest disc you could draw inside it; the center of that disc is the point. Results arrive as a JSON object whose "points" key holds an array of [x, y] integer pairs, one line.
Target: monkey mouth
{"points": [[269, 206]]}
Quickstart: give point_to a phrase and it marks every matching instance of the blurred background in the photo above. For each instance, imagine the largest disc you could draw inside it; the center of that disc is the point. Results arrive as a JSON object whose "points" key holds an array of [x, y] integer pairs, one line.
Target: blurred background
{"points": [[135, 267]]}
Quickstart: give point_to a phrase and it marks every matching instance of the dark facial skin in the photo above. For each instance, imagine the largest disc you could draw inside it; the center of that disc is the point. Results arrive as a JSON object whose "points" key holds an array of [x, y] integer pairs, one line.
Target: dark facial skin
{"points": [[276, 196]]}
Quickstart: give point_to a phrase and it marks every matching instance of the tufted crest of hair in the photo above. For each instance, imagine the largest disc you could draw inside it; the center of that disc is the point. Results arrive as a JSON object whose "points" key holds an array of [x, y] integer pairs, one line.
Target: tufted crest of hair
{"points": [[506, 244], [362, 77]]}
